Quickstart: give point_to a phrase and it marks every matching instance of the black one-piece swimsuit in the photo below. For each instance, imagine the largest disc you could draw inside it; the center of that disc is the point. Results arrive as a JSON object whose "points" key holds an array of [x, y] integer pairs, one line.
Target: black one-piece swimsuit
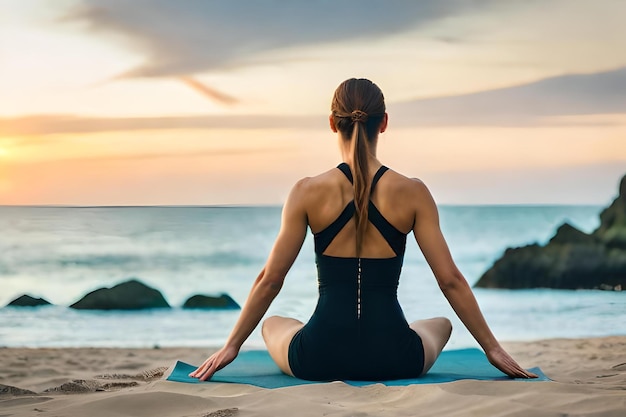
{"points": [[358, 330]]}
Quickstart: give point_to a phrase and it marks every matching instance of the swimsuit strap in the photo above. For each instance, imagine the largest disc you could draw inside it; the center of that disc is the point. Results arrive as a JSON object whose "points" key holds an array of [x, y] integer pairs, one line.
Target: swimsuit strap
{"points": [[393, 236], [377, 176], [326, 236], [345, 168]]}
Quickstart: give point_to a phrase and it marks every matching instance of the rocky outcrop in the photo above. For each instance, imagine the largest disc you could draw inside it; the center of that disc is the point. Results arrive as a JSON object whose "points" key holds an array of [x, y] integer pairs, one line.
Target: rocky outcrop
{"points": [[129, 295], [571, 260], [28, 301], [612, 230], [222, 302]]}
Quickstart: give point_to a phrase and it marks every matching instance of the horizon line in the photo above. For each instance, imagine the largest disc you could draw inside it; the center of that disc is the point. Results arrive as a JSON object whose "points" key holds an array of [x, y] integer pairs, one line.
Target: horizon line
{"points": [[281, 204]]}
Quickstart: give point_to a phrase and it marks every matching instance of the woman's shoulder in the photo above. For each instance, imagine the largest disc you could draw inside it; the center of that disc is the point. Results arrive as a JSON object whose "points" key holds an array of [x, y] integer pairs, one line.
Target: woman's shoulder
{"points": [[332, 182], [327, 178], [404, 184], [320, 184]]}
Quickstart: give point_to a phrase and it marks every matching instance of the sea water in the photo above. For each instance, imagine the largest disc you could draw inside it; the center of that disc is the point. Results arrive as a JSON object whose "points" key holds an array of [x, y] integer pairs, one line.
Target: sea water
{"points": [[61, 253]]}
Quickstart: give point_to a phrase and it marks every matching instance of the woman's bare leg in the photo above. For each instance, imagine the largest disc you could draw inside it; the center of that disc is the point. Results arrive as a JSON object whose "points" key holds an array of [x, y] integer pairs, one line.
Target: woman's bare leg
{"points": [[434, 333], [277, 332]]}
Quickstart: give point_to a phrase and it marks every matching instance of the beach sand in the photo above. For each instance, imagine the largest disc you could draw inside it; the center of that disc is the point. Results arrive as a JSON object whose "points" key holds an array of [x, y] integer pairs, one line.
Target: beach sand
{"points": [[589, 379]]}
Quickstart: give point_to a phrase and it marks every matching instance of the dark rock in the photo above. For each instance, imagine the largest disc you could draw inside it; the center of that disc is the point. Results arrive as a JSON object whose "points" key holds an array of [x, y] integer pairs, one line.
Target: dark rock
{"points": [[612, 229], [28, 301], [568, 266], [568, 234], [129, 295], [222, 302], [571, 260]]}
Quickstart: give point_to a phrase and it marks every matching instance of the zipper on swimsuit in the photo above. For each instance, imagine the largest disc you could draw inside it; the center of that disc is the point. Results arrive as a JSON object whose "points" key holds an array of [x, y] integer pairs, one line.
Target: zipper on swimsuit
{"points": [[358, 291]]}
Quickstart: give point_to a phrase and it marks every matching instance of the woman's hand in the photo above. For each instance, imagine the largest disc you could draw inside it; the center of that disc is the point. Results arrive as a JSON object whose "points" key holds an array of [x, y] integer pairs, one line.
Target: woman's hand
{"points": [[504, 362], [215, 362]]}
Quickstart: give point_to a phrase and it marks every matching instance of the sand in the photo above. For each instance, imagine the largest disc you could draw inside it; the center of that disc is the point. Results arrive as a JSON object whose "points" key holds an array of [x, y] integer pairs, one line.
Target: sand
{"points": [[589, 379]]}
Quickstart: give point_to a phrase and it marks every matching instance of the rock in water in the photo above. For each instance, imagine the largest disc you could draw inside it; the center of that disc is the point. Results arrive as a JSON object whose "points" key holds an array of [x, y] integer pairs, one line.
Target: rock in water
{"points": [[129, 295], [571, 260], [28, 301], [612, 229], [223, 302], [568, 234]]}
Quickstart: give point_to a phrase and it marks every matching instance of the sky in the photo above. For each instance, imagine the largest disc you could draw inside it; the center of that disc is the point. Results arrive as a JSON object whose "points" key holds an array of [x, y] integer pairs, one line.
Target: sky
{"points": [[155, 102]]}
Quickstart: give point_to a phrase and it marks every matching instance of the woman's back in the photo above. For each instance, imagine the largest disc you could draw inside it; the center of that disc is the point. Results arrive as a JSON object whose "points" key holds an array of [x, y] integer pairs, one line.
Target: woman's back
{"points": [[358, 330], [328, 195]]}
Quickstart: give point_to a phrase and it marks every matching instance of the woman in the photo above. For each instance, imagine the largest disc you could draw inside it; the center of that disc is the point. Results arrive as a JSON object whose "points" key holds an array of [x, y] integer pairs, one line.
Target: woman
{"points": [[360, 215]]}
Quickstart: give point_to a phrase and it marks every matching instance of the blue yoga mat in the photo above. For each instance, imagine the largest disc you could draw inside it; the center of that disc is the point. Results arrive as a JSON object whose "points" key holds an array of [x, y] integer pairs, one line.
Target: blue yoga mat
{"points": [[256, 367]]}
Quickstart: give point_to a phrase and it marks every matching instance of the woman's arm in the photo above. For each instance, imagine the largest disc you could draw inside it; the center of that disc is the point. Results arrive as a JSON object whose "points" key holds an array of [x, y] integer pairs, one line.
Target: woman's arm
{"points": [[268, 284], [454, 286]]}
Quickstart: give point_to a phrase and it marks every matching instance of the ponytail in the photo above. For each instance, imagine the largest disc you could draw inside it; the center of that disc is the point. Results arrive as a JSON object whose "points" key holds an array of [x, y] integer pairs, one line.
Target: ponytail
{"points": [[358, 109], [360, 152]]}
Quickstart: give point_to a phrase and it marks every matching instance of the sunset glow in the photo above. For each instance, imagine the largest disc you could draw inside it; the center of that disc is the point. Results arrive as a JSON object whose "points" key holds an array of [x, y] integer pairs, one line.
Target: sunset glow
{"points": [[121, 110]]}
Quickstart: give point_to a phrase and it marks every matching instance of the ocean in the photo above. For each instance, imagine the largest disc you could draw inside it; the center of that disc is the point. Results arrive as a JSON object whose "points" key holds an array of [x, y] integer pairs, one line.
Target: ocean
{"points": [[61, 253]]}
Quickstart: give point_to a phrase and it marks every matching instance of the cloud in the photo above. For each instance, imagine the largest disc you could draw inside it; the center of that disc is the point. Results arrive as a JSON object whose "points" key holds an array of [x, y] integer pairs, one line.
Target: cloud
{"points": [[470, 40], [527, 104], [53, 124], [149, 156], [180, 38], [207, 91], [532, 104]]}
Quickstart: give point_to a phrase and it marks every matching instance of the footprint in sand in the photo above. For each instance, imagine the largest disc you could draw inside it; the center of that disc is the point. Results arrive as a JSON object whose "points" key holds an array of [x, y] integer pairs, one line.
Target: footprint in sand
{"points": [[226, 412], [620, 367], [144, 376], [14, 391]]}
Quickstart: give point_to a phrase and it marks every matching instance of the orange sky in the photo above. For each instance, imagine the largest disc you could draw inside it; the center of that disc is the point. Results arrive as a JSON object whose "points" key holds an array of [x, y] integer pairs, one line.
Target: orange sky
{"points": [[78, 126]]}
